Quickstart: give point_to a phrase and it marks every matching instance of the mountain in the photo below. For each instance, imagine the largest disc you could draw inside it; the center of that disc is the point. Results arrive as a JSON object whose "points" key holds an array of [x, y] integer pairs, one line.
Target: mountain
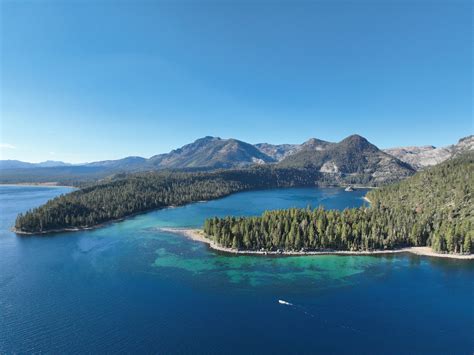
{"points": [[205, 153], [51, 163], [211, 152], [353, 160], [128, 163], [425, 156], [316, 144], [280, 151], [17, 164], [353, 155]]}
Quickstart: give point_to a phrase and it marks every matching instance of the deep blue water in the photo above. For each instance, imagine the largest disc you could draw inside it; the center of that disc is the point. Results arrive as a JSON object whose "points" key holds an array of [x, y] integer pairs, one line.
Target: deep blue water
{"points": [[130, 288]]}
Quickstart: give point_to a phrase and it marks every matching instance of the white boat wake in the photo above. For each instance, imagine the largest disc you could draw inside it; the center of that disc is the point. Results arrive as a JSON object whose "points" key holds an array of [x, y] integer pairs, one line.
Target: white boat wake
{"points": [[322, 320]]}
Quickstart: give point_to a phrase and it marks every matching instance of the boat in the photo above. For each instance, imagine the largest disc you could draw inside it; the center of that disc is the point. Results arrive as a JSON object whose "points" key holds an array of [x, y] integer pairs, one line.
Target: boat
{"points": [[349, 189]]}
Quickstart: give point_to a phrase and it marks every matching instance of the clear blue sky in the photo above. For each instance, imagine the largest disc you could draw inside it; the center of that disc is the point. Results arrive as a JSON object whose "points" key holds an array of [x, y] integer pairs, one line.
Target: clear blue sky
{"points": [[93, 80]]}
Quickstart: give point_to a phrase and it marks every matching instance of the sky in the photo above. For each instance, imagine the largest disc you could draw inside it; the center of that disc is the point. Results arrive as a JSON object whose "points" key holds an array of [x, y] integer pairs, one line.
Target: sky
{"points": [[84, 80]]}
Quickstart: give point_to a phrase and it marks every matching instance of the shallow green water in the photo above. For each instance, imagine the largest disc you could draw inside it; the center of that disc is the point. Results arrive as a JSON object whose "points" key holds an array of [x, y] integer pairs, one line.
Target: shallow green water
{"points": [[132, 288]]}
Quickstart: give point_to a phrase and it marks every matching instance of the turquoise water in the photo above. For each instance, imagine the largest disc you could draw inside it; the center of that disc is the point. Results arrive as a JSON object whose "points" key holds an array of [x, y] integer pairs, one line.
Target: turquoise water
{"points": [[132, 288]]}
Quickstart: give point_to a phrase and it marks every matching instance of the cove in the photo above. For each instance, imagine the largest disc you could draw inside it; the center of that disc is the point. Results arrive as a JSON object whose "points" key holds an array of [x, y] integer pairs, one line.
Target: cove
{"points": [[130, 288]]}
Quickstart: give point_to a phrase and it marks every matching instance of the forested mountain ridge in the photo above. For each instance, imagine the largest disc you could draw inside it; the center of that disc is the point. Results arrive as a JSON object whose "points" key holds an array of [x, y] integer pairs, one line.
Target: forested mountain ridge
{"points": [[433, 208], [442, 197]]}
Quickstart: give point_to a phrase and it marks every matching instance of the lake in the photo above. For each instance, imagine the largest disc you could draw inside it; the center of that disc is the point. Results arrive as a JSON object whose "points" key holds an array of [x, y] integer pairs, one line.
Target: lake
{"points": [[131, 288]]}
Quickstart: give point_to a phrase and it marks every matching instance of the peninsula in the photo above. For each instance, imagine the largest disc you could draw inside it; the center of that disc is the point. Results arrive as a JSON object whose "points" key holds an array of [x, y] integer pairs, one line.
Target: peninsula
{"points": [[199, 236], [430, 213], [432, 208]]}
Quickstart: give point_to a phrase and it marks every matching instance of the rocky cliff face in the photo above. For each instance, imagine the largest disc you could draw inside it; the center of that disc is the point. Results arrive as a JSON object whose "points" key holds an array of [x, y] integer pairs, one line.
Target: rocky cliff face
{"points": [[425, 156], [280, 151]]}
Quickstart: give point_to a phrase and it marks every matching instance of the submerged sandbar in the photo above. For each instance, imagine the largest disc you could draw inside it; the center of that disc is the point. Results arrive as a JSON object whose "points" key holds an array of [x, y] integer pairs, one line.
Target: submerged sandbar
{"points": [[198, 235]]}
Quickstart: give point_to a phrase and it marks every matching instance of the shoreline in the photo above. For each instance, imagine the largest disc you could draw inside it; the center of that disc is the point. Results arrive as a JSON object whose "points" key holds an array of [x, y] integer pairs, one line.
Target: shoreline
{"points": [[64, 230], [103, 224], [85, 228], [39, 184], [198, 235]]}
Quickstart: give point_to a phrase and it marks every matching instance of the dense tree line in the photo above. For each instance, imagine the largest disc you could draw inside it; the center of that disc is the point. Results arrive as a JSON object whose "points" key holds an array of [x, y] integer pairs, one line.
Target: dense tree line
{"points": [[441, 198], [125, 195], [432, 208]]}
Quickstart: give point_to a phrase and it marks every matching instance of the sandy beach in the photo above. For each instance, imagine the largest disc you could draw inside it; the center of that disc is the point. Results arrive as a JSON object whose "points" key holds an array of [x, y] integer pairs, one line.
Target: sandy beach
{"points": [[62, 230], [198, 235]]}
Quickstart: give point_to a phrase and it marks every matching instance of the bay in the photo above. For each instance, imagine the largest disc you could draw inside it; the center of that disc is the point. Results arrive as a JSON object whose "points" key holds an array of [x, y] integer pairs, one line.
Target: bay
{"points": [[130, 287]]}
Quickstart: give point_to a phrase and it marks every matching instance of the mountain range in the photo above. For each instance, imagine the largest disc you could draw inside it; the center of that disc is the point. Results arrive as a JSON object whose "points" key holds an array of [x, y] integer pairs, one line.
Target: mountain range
{"points": [[354, 155], [425, 156], [17, 164]]}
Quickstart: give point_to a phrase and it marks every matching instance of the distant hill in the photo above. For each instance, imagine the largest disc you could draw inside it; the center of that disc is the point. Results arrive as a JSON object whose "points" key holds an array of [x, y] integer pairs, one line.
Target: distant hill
{"points": [[204, 154], [52, 163], [128, 163], [280, 151], [316, 144], [17, 164], [74, 175], [211, 152], [352, 155], [425, 156]]}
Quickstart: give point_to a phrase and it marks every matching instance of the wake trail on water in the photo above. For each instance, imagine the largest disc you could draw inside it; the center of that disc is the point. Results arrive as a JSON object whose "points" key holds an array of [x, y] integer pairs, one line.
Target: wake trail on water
{"points": [[306, 312], [300, 308]]}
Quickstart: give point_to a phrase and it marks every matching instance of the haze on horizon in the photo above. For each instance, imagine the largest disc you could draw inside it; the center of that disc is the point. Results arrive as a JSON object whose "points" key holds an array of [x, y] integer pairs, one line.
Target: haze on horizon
{"points": [[87, 81]]}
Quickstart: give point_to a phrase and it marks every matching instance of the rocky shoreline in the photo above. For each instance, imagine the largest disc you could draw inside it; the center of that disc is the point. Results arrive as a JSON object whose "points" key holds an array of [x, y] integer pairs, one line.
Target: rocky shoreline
{"points": [[198, 235]]}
